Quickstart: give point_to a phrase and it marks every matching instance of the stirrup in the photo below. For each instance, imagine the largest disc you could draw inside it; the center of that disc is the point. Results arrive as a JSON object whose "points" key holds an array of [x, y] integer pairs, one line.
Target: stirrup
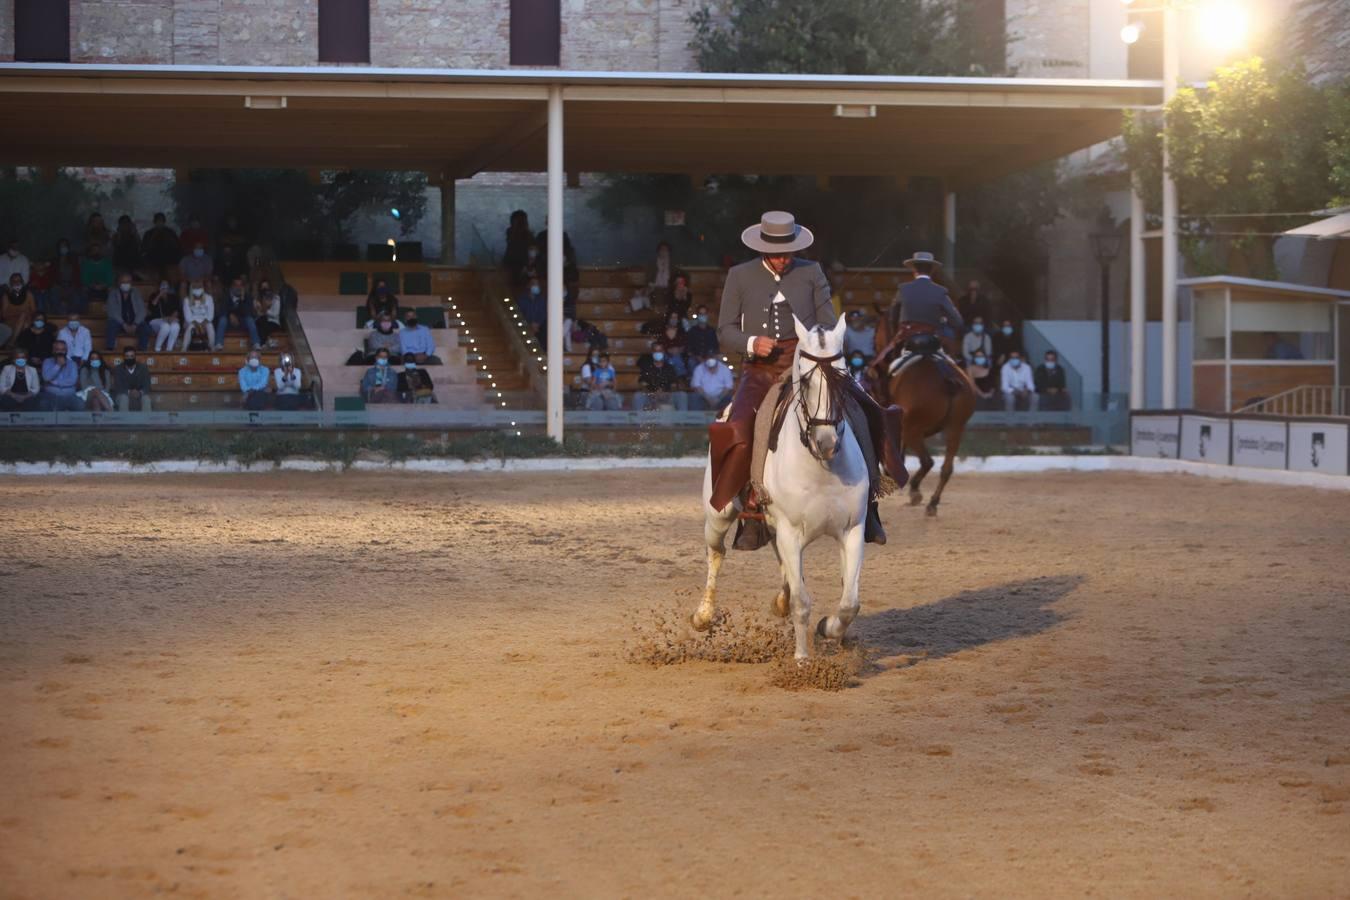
{"points": [[751, 511]]}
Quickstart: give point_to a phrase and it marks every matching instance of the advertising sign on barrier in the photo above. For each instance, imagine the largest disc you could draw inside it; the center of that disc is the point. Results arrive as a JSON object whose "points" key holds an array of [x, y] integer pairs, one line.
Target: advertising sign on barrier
{"points": [[1204, 439], [1319, 447], [1155, 436], [1260, 443]]}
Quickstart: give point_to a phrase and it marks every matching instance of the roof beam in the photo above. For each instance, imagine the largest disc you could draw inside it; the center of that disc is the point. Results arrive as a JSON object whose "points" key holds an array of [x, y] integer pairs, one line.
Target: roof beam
{"points": [[522, 130]]}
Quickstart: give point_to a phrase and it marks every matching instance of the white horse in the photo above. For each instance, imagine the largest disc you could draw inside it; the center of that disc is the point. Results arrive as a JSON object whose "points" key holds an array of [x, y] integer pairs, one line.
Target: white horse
{"points": [[817, 485]]}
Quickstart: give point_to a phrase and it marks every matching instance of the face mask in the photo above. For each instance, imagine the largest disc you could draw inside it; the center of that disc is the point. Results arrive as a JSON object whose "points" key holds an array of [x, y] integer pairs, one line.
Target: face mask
{"points": [[39, 325], [411, 323], [534, 289], [20, 363], [129, 361], [1016, 363], [856, 362], [532, 253], [199, 253], [126, 288], [197, 292], [978, 328], [595, 359], [163, 287], [658, 356], [253, 363], [74, 324], [381, 362], [386, 327], [712, 363], [409, 367], [981, 361], [702, 320], [95, 363], [1051, 364], [237, 293], [1007, 331]]}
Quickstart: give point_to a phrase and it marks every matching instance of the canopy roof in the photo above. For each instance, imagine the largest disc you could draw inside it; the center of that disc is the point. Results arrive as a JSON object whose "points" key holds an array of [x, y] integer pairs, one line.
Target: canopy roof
{"points": [[1337, 226], [455, 123]]}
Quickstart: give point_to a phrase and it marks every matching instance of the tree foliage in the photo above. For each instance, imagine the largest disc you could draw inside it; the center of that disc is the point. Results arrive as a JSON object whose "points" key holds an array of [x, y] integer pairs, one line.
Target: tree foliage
{"points": [[40, 211]]}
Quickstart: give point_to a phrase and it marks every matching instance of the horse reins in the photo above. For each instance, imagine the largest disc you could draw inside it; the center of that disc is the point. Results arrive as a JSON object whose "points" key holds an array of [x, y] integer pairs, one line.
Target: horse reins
{"points": [[825, 366]]}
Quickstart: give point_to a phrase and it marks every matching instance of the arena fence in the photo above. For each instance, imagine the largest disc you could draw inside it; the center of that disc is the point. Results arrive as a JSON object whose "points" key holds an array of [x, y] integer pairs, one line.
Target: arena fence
{"points": [[1290, 443]]}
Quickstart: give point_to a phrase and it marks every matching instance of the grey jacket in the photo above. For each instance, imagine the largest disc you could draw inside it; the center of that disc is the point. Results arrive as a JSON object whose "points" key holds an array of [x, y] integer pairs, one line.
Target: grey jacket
{"points": [[747, 299], [114, 306], [923, 300]]}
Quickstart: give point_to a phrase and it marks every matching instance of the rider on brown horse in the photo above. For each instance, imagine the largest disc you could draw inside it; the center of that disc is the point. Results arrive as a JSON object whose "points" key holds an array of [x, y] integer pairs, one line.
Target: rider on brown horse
{"points": [[921, 306], [759, 300]]}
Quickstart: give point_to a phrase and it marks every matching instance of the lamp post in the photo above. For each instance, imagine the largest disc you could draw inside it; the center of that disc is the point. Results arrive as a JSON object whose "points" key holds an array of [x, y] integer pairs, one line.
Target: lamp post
{"points": [[1106, 247]]}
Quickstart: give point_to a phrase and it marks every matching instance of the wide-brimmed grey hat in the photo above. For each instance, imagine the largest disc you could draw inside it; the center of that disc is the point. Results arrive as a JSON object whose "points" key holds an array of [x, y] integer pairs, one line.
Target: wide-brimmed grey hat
{"points": [[922, 256], [777, 233]]}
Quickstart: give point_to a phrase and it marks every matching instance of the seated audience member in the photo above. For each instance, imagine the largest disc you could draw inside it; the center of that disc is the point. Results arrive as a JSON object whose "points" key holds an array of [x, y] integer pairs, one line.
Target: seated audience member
{"points": [[976, 341], [661, 384], [380, 383], [680, 297], [984, 376], [676, 343], [126, 314], [78, 340], [193, 235], [414, 382], [36, 341], [1018, 385], [66, 293], [196, 266], [19, 384], [288, 384], [569, 316], [267, 311], [236, 308], [160, 247], [1052, 387], [14, 262], [532, 306], [253, 381], [640, 301], [600, 380], [711, 383], [199, 312], [417, 339], [96, 232], [60, 381], [383, 336], [126, 245], [701, 338], [1006, 340], [40, 283], [861, 336], [18, 310], [165, 313], [95, 385], [96, 274], [381, 300], [857, 370], [661, 277], [131, 384], [1279, 348]]}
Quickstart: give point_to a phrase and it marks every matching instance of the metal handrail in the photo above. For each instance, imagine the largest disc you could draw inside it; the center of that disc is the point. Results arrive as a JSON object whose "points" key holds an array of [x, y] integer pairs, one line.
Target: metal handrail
{"points": [[1303, 401]]}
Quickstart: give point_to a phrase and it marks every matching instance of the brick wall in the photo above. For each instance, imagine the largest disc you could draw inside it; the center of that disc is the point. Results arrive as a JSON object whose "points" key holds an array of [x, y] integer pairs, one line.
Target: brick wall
{"points": [[6, 30], [1048, 38], [457, 34]]}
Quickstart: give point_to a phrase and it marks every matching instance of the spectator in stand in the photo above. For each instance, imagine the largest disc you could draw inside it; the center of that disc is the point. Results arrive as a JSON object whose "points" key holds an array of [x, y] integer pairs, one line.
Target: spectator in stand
{"points": [[19, 384], [67, 292], [1052, 387], [164, 310], [680, 296], [533, 307], [676, 344], [972, 304], [131, 384], [95, 384], [96, 274], [232, 264], [384, 336], [985, 378], [267, 312], [520, 249], [701, 339], [1018, 385], [861, 336], [60, 380], [857, 370], [570, 273], [414, 383], [236, 308], [569, 316], [253, 381], [660, 277], [381, 300], [160, 247], [1006, 340], [380, 383], [126, 314], [199, 312], [976, 341], [661, 384], [417, 339], [711, 383], [196, 266], [289, 381], [192, 236], [599, 380], [14, 262], [36, 341], [17, 310], [77, 338], [126, 246], [40, 283], [96, 232]]}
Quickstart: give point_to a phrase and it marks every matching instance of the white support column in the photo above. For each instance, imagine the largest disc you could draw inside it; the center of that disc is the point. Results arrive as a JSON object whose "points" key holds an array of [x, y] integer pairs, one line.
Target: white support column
{"points": [[1171, 74], [1138, 304], [556, 174], [949, 233]]}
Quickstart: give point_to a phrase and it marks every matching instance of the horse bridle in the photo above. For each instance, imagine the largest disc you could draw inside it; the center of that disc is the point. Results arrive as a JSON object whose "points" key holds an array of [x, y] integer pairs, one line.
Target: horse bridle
{"points": [[825, 366]]}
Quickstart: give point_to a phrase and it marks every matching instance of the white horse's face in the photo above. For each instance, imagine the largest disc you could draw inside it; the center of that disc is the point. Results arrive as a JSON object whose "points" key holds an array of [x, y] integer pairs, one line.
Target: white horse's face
{"points": [[826, 345]]}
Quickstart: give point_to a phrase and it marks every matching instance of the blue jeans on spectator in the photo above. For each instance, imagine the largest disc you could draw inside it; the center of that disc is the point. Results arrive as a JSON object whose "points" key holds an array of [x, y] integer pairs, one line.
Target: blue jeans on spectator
{"points": [[115, 331], [696, 401], [61, 402], [250, 326], [678, 399]]}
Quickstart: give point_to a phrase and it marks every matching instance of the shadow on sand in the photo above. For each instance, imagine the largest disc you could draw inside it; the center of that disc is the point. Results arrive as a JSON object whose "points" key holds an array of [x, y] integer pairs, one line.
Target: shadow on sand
{"points": [[964, 621]]}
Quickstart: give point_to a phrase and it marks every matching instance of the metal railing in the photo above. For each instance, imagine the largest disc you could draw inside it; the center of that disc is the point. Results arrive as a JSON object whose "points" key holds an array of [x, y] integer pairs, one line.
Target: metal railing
{"points": [[1304, 400], [290, 317]]}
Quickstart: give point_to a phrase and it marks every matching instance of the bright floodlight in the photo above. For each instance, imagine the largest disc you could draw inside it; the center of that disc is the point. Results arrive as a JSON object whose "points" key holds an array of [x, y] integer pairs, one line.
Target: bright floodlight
{"points": [[395, 213], [1222, 24], [1131, 32]]}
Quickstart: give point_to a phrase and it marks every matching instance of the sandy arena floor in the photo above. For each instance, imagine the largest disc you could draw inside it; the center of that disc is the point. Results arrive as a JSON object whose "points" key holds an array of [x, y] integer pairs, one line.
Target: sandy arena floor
{"points": [[306, 686]]}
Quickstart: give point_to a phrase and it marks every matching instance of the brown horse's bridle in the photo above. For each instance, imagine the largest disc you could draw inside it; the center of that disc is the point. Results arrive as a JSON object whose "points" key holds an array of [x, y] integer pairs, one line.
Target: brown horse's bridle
{"points": [[825, 366]]}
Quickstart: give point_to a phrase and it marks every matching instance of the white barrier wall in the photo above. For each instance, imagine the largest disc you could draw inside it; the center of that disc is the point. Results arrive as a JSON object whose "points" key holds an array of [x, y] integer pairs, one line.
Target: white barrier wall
{"points": [[1266, 442], [1260, 443], [1205, 439], [1319, 447], [1158, 436]]}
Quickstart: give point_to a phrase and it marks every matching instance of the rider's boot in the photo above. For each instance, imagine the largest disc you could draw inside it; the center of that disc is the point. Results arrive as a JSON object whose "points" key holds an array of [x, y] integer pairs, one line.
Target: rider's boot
{"points": [[873, 533], [729, 449]]}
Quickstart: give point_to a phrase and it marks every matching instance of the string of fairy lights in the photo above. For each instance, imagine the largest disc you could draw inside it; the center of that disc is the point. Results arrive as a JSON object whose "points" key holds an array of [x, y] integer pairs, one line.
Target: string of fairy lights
{"points": [[484, 373]]}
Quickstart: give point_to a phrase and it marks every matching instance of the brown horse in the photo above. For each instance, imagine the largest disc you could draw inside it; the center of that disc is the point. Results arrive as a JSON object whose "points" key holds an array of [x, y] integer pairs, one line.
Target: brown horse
{"points": [[937, 397]]}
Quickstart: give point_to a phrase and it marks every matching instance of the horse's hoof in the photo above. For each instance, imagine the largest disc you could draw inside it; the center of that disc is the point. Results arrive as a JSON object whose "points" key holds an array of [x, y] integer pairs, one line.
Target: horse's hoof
{"points": [[915, 499], [781, 604], [932, 512], [700, 623], [820, 627]]}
